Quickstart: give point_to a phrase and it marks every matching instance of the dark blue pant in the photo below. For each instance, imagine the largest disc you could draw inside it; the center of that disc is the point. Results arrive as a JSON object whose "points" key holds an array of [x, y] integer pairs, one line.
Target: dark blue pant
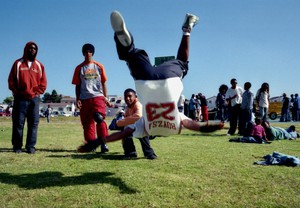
{"points": [[284, 115], [22, 109], [235, 117], [246, 115], [141, 68], [129, 146]]}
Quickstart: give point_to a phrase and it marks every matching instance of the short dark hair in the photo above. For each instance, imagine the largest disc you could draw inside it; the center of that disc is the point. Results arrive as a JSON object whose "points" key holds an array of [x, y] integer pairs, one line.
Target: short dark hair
{"points": [[257, 120], [88, 47], [248, 84], [129, 90], [233, 81]]}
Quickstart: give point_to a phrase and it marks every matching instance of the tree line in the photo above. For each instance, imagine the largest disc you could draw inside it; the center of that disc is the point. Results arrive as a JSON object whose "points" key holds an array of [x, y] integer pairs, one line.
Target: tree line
{"points": [[54, 97]]}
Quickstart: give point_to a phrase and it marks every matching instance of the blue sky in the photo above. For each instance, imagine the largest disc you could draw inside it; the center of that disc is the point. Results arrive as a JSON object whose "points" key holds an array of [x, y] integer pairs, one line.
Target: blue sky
{"points": [[250, 40]]}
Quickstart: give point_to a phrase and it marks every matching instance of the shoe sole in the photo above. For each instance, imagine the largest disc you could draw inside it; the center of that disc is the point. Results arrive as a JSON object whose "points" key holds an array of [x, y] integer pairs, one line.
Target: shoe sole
{"points": [[119, 27]]}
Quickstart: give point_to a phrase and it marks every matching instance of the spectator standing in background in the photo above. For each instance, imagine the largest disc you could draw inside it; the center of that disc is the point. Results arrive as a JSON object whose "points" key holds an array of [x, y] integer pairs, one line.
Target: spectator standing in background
{"points": [[263, 100], [291, 107], [193, 107], [27, 81], [296, 107], [246, 110], [48, 113], [181, 103], [221, 103], [204, 107], [285, 109], [234, 99]]}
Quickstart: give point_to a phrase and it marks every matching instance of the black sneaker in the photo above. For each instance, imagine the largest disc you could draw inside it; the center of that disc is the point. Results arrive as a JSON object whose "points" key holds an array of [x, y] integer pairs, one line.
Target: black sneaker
{"points": [[129, 156], [90, 146], [104, 148], [152, 137], [151, 157], [30, 150], [17, 151]]}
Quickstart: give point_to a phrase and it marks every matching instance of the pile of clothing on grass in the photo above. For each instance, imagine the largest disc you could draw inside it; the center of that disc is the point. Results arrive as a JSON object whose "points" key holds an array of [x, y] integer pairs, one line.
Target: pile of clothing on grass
{"points": [[277, 158]]}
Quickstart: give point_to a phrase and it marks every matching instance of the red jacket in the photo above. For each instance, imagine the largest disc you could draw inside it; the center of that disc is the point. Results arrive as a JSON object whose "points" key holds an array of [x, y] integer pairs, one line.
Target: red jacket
{"points": [[27, 82]]}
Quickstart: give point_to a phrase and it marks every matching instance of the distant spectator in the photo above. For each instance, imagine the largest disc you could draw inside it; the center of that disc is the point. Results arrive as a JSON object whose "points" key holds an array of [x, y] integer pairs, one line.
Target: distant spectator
{"points": [[296, 107], [247, 109], [285, 109], [192, 107], [221, 103], [234, 99], [263, 100], [181, 103], [198, 108], [204, 107], [48, 113], [186, 107], [292, 107]]}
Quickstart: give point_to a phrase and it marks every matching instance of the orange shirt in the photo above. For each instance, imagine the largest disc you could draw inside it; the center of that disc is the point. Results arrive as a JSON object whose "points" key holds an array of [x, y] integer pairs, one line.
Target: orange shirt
{"points": [[132, 114]]}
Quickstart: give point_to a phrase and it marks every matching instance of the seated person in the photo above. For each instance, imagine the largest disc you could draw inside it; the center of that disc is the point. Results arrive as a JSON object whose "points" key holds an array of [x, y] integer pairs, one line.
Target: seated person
{"points": [[257, 134], [278, 133]]}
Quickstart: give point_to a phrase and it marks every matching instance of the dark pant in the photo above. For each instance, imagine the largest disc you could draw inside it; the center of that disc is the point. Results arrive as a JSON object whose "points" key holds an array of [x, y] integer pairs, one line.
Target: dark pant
{"points": [[284, 115], [22, 109], [141, 68], [129, 146], [235, 112], [246, 115]]}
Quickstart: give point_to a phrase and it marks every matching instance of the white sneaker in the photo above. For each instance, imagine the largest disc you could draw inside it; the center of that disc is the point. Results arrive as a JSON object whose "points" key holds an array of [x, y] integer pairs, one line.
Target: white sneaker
{"points": [[118, 25], [189, 22]]}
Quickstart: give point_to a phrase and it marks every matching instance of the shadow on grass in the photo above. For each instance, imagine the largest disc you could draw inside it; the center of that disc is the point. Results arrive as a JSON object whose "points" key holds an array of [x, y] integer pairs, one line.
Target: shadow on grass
{"points": [[39, 150], [205, 134], [54, 178], [91, 156]]}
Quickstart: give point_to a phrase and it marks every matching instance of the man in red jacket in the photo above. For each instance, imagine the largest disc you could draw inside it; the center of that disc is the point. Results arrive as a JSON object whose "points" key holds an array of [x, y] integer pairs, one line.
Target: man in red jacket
{"points": [[27, 81]]}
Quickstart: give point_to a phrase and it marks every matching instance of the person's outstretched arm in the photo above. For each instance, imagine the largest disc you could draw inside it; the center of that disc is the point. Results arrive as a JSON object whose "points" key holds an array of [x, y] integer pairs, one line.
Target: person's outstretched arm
{"points": [[200, 126]]}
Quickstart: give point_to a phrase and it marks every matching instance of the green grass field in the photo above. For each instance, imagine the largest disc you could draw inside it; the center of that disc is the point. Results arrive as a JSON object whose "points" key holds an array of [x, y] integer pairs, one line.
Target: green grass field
{"points": [[192, 170]]}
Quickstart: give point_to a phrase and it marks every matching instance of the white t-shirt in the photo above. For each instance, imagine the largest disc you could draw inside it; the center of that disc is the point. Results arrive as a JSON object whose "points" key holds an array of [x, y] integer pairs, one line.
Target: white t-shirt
{"points": [[263, 99], [232, 92], [160, 113]]}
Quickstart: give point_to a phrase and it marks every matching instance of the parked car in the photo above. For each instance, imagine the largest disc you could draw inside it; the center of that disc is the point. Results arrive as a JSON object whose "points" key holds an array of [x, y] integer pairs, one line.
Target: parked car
{"points": [[64, 114], [275, 110], [60, 113], [3, 112]]}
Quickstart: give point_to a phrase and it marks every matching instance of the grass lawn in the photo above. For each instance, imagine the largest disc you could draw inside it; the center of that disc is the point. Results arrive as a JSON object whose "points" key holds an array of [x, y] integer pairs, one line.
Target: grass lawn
{"points": [[192, 170]]}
